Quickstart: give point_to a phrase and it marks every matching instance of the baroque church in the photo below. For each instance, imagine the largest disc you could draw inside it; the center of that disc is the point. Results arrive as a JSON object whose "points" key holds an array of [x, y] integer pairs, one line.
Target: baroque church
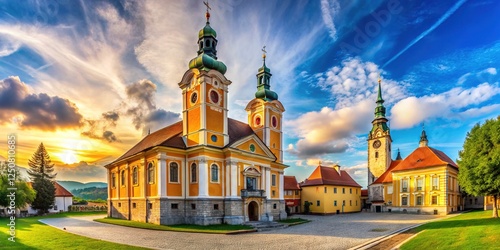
{"points": [[426, 181], [207, 168]]}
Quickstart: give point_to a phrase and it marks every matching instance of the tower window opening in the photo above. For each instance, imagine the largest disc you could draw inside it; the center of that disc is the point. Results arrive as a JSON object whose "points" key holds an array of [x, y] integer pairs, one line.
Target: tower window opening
{"points": [[208, 43], [201, 45], [376, 154]]}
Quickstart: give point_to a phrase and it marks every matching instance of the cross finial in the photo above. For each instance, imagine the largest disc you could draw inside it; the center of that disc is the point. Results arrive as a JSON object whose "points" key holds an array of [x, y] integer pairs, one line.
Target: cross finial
{"points": [[207, 15], [264, 54], [379, 79]]}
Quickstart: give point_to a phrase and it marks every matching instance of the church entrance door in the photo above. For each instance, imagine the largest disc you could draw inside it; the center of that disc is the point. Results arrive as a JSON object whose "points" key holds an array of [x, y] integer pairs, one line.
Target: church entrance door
{"points": [[253, 211]]}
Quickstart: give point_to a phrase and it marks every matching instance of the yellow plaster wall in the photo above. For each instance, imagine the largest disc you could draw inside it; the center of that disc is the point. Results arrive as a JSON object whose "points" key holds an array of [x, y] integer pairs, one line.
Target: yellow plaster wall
{"points": [[327, 200], [276, 188], [215, 188]]}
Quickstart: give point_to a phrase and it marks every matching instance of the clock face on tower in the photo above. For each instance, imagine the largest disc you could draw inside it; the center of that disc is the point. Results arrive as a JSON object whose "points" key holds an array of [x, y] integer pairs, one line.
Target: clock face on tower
{"points": [[376, 144]]}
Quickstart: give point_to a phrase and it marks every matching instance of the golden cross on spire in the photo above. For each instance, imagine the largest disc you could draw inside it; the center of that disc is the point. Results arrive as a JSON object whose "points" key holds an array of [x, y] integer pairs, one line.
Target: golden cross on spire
{"points": [[208, 8], [379, 80], [264, 54]]}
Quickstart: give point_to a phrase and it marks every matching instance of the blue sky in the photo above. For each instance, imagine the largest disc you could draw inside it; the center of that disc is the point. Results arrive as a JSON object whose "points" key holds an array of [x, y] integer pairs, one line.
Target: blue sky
{"points": [[68, 69]]}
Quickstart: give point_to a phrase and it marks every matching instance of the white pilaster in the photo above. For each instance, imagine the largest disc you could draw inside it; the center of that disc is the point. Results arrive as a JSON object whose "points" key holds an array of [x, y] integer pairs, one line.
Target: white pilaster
{"points": [[162, 174], [281, 186], [203, 180], [268, 182], [234, 179]]}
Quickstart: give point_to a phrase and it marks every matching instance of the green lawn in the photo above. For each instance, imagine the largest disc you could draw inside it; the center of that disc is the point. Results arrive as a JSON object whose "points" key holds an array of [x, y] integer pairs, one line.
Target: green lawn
{"points": [[294, 221], [32, 234], [217, 229], [473, 230]]}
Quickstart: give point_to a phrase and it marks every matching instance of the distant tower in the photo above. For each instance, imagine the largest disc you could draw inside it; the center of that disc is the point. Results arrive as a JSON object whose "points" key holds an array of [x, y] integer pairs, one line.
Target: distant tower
{"points": [[379, 141], [265, 112], [423, 139]]}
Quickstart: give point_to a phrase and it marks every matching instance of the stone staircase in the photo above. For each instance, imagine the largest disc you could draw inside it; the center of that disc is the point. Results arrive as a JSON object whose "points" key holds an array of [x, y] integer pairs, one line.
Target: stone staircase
{"points": [[266, 225]]}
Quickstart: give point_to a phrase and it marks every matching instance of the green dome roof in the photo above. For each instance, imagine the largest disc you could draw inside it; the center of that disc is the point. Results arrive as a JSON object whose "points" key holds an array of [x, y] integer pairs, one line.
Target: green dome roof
{"points": [[266, 94], [207, 31], [264, 68], [206, 62]]}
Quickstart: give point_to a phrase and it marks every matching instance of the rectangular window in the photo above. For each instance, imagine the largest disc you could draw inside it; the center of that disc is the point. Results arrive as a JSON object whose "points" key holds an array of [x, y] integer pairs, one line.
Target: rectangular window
{"points": [[296, 192], [420, 184], [273, 180], [326, 189], [275, 206], [317, 203], [343, 190], [404, 185], [134, 205], [273, 193], [174, 206], [350, 190], [174, 172], [334, 190], [335, 203], [350, 203], [343, 203], [434, 200], [119, 204], [193, 206], [389, 189], [216, 206], [404, 201], [150, 205], [435, 183], [419, 200]]}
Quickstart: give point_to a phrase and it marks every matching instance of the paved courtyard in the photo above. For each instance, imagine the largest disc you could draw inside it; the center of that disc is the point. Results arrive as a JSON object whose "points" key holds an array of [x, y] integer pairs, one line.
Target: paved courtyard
{"points": [[324, 232]]}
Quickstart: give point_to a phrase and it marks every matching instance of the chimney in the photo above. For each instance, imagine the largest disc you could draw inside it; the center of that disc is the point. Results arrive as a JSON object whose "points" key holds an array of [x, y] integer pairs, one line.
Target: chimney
{"points": [[337, 167]]}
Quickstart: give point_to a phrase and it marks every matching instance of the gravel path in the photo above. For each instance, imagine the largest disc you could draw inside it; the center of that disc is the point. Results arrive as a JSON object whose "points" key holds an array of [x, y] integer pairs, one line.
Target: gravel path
{"points": [[324, 232]]}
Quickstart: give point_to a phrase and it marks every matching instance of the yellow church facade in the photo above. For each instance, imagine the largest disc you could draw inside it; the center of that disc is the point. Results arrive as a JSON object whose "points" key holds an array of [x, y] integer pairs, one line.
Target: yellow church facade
{"points": [[426, 181], [207, 168], [329, 190]]}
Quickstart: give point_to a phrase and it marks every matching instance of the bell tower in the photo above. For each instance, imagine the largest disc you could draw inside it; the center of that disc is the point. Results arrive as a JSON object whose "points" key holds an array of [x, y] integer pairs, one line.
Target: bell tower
{"points": [[379, 141], [204, 94], [265, 112]]}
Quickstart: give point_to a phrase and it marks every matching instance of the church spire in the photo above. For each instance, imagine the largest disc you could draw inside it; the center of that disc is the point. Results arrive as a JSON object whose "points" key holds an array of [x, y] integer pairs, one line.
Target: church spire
{"points": [[264, 91], [423, 139], [380, 109], [207, 48], [398, 157]]}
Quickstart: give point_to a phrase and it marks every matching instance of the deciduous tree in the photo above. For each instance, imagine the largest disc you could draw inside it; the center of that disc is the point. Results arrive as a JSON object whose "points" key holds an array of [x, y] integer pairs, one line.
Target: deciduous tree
{"points": [[12, 183], [479, 161]]}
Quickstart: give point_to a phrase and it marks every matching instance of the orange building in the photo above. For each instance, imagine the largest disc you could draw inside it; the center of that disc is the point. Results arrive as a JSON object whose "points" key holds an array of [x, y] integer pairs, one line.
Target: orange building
{"points": [[207, 168], [292, 194]]}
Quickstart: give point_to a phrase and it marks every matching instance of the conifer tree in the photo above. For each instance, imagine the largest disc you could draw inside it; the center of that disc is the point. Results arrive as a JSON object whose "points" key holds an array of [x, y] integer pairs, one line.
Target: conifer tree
{"points": [[41, 169]]}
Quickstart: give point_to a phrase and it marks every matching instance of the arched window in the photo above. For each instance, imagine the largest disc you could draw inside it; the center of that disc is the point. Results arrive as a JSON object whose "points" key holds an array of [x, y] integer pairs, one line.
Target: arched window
{"points": [[208, 43], [174, 172], [214, 173], [135, 175], [113, 180], [151, 173], [123, 177], [194, 172]]}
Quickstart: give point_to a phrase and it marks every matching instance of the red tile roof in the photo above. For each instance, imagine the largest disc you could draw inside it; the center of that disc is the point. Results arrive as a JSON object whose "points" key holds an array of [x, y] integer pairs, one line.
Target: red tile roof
{"points": [[291, 183], [386, 177], [422, 157], [61, 191], [171, 136], [329, 176], [364, 192]]}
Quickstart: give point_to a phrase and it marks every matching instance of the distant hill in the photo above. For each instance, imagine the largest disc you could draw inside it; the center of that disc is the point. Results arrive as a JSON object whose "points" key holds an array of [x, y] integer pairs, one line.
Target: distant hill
{"points": [[73, 185], [91, 193]]}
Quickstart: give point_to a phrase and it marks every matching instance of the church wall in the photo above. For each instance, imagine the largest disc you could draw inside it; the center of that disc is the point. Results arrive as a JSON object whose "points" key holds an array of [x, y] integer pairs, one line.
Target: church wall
{"points": [[215, 188], [276, 144], [215, 121], [275, 189], [194, 118]]}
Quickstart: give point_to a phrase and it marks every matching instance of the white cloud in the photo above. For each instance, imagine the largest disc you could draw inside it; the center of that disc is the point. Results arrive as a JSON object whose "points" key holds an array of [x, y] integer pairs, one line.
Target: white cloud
{"points": [[329, 11], [449, 105]]}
